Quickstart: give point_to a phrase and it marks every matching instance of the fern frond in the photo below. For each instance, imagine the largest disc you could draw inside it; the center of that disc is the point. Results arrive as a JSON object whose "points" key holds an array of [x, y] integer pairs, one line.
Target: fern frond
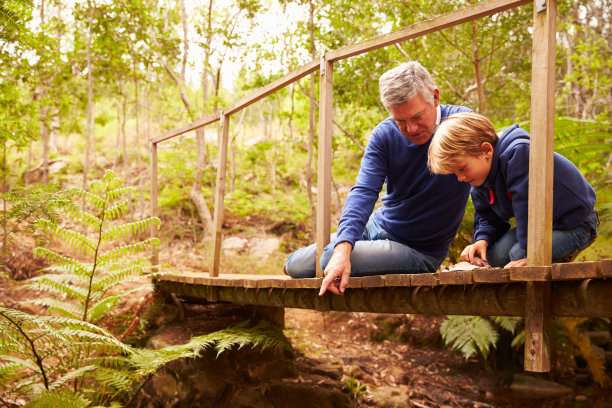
{"points": [[22, 363], [130, 229], [83, 217], [99, 308], [121, 380], [58, 398], [72, 238], [469, 335], [8, 369], [508, 323], [148, 361], [93, 199], [128, 274], [71, 264], [116, 210], [73, 374], [55, 284], [65, 308], [120, 192], [127, 250]]}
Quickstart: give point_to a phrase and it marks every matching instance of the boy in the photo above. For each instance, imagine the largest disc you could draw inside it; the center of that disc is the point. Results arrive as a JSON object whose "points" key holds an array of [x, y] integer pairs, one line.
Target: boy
{"points": [[467, 145]]}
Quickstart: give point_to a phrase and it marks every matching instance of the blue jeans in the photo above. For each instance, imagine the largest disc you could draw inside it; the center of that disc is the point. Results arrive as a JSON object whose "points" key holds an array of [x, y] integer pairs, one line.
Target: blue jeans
{"points": [[566, 244], [376, 253]]}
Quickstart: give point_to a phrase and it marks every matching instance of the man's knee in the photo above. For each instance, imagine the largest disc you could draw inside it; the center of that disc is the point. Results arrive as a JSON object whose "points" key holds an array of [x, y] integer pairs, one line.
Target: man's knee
{"points": [[301, 263]]}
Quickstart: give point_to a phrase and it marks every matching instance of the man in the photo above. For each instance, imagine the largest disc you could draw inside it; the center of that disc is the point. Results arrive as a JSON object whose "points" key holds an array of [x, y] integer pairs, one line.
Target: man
{"points": [[421, 212]]}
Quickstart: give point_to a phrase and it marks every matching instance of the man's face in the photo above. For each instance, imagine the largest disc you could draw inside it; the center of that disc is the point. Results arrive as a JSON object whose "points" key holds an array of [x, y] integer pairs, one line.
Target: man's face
{"points": [[416, 118]]}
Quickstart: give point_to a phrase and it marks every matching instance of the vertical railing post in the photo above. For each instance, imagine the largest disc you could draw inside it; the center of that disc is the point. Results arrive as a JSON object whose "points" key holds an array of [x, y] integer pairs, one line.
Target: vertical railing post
{"points": [[541, 160], [219, 194], [324, 172], [154, 208]]}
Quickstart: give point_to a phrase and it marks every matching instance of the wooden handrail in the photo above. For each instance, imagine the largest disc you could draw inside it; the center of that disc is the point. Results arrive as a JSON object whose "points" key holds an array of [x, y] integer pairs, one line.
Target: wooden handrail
{"points": [[203, 121], [463, 15], [273, 86]]}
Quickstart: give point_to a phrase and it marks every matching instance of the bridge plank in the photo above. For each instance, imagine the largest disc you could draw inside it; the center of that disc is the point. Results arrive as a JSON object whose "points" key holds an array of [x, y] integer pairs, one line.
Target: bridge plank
{"points": [[582, 270], [455, 277], [424, 279], [491, 275], [530, 273], [397, 279], [606, 268]]}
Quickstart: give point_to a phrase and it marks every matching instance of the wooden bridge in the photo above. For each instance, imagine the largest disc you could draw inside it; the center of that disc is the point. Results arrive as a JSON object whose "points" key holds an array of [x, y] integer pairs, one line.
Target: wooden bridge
{"points": [[536, 292]]}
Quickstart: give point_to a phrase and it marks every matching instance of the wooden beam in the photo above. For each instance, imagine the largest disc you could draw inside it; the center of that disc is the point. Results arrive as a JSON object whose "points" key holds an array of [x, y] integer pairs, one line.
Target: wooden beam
{"points": [[154, 204], [326, 90], [274, 86], [220, 195], [203, 121], [539, 231], [473, 12]]}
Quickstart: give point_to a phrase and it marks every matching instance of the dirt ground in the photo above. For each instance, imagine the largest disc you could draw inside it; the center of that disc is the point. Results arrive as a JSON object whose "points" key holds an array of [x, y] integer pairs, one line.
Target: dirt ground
{"points": [[394, 354]]}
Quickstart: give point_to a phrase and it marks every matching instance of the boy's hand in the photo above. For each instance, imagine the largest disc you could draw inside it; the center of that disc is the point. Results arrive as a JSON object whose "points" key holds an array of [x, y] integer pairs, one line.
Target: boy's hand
{"points": [[470, 253], [518, 262]]}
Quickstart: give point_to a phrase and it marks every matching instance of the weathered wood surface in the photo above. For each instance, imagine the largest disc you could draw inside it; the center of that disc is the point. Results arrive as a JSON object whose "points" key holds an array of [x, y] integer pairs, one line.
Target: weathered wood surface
{"points": [[581, 290]]}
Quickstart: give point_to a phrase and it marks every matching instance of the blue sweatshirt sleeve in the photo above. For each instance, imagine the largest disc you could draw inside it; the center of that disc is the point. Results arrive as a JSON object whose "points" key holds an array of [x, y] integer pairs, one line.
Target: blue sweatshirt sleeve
{"points": [[487, 225], [364, 194]]}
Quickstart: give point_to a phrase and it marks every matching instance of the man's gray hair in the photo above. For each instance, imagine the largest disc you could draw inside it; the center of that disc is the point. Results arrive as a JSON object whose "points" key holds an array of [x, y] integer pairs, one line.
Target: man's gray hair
{"points": [[400, 84]]}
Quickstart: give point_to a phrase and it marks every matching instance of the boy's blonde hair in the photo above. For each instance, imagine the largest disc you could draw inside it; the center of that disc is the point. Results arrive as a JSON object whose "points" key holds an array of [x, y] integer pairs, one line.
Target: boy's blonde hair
{"points": [[459, 135]]}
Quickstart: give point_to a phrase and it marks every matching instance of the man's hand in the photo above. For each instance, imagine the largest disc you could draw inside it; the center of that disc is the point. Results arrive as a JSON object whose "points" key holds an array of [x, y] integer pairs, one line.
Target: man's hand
{"points": [[470, 253], [338, 270], [518, 262]]}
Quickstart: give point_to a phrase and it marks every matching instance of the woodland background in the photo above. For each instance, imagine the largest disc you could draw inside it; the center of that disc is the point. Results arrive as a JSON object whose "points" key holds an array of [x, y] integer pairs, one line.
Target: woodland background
{"points": [[85, 84]]}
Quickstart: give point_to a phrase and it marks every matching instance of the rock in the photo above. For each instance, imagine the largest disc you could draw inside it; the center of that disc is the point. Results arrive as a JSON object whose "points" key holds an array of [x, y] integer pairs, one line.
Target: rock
{"points": [[249, 398], [165, 384], [292, 395], [263, 247], [358, 373], [233, 244], [270, 369], [528, 387], [391, 396]]}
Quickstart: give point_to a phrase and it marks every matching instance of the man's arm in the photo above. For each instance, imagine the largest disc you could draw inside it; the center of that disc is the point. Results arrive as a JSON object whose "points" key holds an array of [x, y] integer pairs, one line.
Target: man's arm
{"points": [[338, 270]]}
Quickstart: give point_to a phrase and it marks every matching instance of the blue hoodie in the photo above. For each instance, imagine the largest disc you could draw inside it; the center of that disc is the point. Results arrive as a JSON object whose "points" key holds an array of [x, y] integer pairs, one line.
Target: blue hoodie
{"points": [[420, 209], [504, 194]]}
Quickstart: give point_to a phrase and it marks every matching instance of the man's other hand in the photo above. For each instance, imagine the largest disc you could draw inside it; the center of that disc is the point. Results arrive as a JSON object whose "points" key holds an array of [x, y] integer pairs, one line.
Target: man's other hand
{"points": [[338, 270]]}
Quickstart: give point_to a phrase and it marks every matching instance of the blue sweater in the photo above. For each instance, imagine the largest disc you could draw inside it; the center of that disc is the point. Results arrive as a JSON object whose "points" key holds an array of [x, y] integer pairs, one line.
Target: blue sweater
{"points": [[420, 209], [504, 194]]}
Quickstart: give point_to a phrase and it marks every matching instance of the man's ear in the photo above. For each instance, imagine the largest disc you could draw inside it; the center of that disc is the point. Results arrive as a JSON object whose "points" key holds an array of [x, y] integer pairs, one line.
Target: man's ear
{"points": [[436, 96], [487, 149]]}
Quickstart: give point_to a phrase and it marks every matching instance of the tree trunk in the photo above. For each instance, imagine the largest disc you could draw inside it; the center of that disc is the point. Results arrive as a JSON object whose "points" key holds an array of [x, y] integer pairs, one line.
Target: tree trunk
{"points": [[138, 158], [311, 127], [233, 150], [477, 70], [196, 191], [90, 101]]}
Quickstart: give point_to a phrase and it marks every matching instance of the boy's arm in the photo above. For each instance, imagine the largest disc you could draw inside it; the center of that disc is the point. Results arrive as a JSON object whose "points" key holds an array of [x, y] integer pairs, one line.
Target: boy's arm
{"points": [[488, 226], [517, 180]]}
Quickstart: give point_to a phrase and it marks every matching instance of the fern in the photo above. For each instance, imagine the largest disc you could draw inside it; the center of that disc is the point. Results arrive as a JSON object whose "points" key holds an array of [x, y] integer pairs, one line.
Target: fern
{"points": [[469, 335], [68, 361], [80, 280]]}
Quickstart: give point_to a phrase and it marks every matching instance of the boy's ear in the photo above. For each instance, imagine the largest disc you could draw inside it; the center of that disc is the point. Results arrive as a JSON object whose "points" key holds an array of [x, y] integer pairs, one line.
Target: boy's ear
{"points": [[487, 149]]}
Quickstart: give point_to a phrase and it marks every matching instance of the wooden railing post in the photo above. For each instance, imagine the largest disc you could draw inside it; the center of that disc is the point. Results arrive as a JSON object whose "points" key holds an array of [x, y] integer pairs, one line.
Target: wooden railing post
{"points": [[541, 159], [219, 194], [154, 208], [324, 172]]}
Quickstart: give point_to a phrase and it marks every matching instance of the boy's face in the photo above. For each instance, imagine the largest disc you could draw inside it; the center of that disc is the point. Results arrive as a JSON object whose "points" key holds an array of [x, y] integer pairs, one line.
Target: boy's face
{"points": [[416, 119], [474, 169]]}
